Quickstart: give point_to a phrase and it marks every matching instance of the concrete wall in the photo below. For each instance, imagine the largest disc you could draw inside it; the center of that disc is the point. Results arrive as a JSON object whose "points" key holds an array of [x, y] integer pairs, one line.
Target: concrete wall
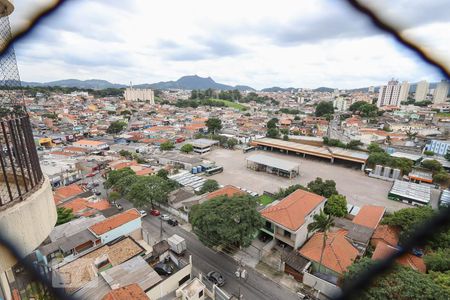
{"points": [[170, 284], [28, 223], [125, 229], [326, 288], [302, 232]]}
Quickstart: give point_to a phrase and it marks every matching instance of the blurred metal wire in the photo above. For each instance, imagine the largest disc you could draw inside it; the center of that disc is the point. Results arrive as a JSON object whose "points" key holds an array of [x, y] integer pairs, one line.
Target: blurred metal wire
{"points": [[11, 77]]}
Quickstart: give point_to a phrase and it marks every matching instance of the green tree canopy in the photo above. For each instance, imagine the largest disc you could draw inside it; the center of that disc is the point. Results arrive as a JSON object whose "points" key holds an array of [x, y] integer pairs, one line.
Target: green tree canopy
{"points": [[401, 283], [336, 206], [374, 147], [282, 193], [272, 123], [324, 108], [441, 177], [64, 215], [114, 196], [124, 184], [273, 133], [147, 190], [224, 221], [432, 165], [214, 125], [163, 173], [187, 148], [116, 175], [324, 188], [209, 186], [321, 223], [116, 127], [166, 146], [438, 260], [232, 142], [354, 144]]}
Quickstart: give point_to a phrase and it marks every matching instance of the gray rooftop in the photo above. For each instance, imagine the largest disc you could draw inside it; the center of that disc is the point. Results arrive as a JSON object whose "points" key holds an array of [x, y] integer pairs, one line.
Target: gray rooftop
{"points": [[410, 156], [274, 162], [413, 191], [204, 143], [73, 227]]}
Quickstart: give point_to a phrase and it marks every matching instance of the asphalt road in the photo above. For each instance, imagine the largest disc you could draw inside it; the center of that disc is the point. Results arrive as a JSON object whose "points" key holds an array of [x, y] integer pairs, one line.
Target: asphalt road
{"points": [[205, 260]]}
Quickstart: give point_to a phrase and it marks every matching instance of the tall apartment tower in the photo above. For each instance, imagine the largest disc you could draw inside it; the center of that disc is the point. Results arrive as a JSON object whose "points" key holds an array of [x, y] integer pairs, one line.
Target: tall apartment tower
{"points": [[132, 94], [389, 95], [421, 90], [441, 92], [404, 91]]}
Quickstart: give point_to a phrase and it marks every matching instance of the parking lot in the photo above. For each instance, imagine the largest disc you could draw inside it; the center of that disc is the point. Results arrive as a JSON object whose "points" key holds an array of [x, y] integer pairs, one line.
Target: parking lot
{"points": [[353, 183]]}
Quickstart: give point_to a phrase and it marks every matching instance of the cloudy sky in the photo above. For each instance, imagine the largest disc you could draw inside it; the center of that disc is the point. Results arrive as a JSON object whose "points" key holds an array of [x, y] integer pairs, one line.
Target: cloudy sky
{"points": [[260, 43]]}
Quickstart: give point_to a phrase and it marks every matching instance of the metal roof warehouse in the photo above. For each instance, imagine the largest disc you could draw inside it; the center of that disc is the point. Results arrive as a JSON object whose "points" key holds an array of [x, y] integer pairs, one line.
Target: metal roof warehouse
{"points": [[409, 192], [261, 162]]}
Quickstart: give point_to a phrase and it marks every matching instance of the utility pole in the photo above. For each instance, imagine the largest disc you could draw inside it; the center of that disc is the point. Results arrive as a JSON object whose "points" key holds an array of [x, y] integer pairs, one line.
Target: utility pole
{"points": [[160, 229], [241, 274]]}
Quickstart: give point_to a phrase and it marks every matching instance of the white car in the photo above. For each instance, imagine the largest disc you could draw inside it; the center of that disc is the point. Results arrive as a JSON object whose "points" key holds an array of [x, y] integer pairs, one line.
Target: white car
{"points": [[165, 217], [143, 213]]}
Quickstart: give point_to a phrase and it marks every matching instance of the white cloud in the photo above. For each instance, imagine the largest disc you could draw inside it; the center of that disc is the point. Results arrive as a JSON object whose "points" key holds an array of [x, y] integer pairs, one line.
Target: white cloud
{"points": [[257, 43]]}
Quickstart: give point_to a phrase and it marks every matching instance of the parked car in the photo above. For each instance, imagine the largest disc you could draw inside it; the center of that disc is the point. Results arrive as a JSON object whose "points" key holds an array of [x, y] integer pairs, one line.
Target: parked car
{"points": [[90, 175], [216, 278], [173, 222], [119, 207], [97, 192], [95, 183], [165, 217], [163, 269], [155, 212], [143, 213]]}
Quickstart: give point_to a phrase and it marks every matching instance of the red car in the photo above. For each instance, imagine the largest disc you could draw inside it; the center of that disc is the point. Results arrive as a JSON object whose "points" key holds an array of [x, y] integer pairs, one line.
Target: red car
{"points": [[90, 175], [155, 212]]}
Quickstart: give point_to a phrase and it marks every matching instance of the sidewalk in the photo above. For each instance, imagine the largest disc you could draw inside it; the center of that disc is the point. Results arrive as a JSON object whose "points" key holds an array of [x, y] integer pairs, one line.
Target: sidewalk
{"points": [[279, 277]]}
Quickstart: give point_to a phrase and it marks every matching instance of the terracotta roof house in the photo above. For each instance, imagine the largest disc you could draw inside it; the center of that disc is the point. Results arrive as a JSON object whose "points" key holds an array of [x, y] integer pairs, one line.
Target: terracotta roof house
{"points": [[132, 291], [408, 260], [67, 192], [125, 223], [386, 234], [287, 220], [228, 190], [369, 216], [338, 255]]}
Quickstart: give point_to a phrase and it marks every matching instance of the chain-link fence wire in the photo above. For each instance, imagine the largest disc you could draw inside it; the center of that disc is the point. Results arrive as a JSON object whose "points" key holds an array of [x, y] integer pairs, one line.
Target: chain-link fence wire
{"points": [[423, 233]]}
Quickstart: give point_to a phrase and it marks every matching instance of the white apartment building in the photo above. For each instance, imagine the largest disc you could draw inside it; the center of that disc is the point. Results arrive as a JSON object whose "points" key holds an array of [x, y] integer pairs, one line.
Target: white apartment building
{"points": [[340, 104], [389, 95], [404, 91], [441, 92], [421, 90], [132, 94]]}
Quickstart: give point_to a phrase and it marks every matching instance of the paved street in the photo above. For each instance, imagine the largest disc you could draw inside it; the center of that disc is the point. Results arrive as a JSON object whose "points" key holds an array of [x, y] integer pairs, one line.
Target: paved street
{"points": [[205, 260]]}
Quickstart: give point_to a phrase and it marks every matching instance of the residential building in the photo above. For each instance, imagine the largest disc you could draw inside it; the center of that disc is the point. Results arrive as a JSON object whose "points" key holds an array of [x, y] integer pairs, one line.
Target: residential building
{"points": [[441, 92], [438, 147], [389, 95], [132, 94], [91, 145], [340, 104], [421, 91], [404, 91], [287, 220]]}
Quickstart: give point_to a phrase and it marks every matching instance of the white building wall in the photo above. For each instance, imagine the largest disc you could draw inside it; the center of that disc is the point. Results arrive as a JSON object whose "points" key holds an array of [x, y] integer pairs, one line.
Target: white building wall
{"points": [[170, 284], [132, 94], [421, 91], [441, 92]]}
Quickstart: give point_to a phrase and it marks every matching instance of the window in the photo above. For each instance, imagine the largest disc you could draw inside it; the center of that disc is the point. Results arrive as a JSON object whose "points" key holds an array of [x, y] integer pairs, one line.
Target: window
{"points": [[287, 234], [200, 294], [184, 279]]}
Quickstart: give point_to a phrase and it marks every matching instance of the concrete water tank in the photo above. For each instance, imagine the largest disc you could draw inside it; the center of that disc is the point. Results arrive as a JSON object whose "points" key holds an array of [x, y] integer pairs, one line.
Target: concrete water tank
{"points": [[396, 174], [387, 172], [378, 170]]}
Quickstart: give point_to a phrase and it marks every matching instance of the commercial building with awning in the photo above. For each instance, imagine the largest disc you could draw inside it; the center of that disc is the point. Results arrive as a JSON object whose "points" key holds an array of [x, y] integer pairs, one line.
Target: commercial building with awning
{"points": [[273, 165]]}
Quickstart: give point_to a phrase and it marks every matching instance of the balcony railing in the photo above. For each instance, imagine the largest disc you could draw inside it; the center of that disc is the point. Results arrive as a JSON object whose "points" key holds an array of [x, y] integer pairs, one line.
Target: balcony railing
{"points": [[20, 172]]}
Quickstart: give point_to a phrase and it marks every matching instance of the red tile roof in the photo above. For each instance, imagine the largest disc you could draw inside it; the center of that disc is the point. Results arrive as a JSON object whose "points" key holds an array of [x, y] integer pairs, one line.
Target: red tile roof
{"points": [[369, 216], [387, 234], [227, 190], [338, 255], [291, 211], [383, 250], [67, 192], [115, 221], [132, 291]]}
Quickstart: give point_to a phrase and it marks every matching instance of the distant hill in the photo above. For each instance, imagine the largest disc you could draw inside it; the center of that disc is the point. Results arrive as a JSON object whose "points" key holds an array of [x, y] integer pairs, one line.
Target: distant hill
{"points": [[323, 89], [277, 89], [95, 84]]}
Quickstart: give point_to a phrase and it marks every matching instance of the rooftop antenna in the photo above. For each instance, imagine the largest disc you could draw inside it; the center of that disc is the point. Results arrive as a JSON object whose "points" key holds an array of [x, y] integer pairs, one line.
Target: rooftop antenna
{"points": [[9, 73]]}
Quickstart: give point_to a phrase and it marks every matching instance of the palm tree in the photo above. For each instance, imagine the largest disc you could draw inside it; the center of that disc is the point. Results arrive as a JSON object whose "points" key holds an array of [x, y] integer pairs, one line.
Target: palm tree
{"points": [[322, 223]]}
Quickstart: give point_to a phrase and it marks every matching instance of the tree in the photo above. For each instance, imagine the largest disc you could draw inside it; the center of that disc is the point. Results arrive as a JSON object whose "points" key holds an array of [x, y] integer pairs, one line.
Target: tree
{"points": [[163, 173], [374, 148], [354, 144], [336, 206], [401, 283], [282, 193], [285, 137], [114, 196], [232, 142], [273, 133], [209, 186], [214, 125], [432, 165], [369, 110], [148, 189], [438, 260], [428, 153], [187, 148], [324, 188], [322, 223], [356, 106], [224, 221], [324, 108], [126, 154], [405, 165], [442, 279], [116, 175], [447, 156], [272, 123], [64, 215], [166, 146], [124, 184], [116, 127], [441, 177]]}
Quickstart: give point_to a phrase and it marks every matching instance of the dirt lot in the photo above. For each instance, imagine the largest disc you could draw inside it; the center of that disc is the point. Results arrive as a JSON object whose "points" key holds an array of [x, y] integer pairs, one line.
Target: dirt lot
{"points": [[352, 183]]}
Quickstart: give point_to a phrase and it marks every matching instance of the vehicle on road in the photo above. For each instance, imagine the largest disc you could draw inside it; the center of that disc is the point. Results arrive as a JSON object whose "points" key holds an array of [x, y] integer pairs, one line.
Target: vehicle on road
{"points": [[173, 222], [143, 213], [177, 244], [97, 192], [155, 212], [213, 171], [119, 207], [216, 278], [90, 175], [165, 217], [163, 269]]}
